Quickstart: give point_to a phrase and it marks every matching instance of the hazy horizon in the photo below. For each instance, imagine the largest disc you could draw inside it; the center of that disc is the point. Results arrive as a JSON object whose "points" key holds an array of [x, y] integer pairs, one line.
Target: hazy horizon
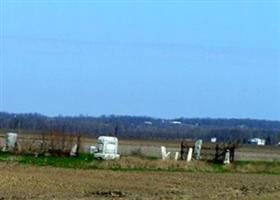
{"points": [[157, 59], [144, 116]]}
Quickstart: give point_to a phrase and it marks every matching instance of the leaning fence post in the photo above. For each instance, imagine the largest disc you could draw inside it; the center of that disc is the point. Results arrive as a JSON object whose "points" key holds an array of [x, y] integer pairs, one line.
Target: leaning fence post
{"points": [[232, 151], [217, 153], [78, 144]]}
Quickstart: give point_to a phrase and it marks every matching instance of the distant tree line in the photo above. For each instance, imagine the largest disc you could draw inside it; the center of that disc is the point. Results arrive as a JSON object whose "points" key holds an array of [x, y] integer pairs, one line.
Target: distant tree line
{"points": [[131, 127]]}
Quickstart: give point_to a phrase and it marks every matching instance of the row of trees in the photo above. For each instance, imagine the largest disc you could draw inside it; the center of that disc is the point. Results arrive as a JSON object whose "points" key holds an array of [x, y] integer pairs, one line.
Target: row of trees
{"points": [[145, 127]]}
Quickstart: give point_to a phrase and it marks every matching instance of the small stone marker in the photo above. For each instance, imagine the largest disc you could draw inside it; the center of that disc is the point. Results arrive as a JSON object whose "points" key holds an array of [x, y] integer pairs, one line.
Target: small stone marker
{"points": [[176, 156], [74, 150], [164, 154], [227, 157], [190, 152], [92, 149]]}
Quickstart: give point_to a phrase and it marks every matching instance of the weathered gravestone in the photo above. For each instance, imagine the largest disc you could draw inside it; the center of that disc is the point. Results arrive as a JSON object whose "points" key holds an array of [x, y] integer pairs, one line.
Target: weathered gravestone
{"points": [[190, 152], [197, 149], [176, 156], [164, 154], [11, 142], [227, 157], [74, 150]]}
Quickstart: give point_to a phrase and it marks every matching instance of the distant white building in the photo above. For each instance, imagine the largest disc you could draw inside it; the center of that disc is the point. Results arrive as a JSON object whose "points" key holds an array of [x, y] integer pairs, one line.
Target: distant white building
{"points": [[257, 141], [148, 123], [176, 122], [213, 139]]}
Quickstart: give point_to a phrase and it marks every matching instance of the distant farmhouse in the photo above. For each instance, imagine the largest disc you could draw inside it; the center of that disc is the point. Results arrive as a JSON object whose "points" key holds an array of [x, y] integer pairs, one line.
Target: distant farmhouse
{"points": [[176, 122], [257, 141], [213, 139]]}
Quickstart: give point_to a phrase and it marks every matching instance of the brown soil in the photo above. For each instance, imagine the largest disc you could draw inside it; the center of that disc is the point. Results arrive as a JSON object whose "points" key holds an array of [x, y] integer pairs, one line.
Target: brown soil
{"points": [[29, 182]]}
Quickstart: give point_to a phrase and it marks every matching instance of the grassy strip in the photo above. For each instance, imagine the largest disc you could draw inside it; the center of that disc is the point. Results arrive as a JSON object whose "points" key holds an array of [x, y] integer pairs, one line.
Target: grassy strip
{"points": [[86, 161]]}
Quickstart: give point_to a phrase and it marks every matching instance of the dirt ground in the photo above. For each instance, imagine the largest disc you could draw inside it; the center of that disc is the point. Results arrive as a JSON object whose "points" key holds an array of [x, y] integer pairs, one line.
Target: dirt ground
{"points": [[30, 182]]}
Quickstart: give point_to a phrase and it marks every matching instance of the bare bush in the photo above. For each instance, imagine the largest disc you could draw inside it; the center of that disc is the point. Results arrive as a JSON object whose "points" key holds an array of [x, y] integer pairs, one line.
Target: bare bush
{"points": [[49, 144]]}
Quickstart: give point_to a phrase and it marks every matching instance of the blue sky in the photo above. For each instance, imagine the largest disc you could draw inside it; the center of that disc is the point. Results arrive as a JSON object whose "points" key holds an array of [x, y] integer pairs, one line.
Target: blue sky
{"points": [[154, 58]]}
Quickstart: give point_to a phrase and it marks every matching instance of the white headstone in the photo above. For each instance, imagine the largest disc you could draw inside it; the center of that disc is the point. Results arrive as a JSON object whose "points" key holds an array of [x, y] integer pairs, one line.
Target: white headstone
{"points": [[11, 141], [74, 150], [164, 154], [197, 149], [227, 157], [176, 156], [189, 157]]}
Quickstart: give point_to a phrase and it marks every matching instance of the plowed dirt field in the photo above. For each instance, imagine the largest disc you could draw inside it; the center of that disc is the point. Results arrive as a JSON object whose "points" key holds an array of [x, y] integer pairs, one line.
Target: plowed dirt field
{"points": [[31, 182]]}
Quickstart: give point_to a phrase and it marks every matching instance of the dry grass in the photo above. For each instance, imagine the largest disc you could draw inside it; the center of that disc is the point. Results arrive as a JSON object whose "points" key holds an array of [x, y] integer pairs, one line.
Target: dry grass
{"points": [[61, 184], [138, 163], [152, 148]]}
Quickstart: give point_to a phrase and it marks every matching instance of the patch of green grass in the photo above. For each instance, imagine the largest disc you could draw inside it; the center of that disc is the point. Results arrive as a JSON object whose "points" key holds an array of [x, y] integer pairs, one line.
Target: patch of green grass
{"points": [[87, 161], [219, 168], [151, 158], [83, 161], [4, 156]]}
